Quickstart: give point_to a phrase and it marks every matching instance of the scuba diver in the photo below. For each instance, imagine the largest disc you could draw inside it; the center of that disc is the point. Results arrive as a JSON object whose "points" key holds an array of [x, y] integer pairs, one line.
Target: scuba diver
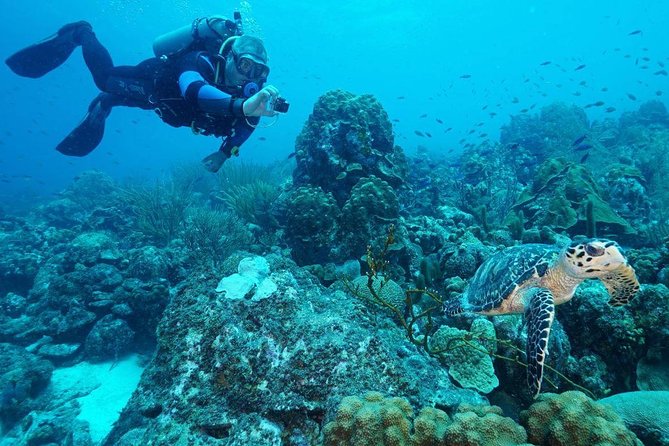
{"points": [[207, 76]]}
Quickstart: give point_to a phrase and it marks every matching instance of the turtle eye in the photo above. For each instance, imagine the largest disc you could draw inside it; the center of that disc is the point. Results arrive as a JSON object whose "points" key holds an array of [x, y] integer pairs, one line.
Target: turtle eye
{"points": [[594, 251]]}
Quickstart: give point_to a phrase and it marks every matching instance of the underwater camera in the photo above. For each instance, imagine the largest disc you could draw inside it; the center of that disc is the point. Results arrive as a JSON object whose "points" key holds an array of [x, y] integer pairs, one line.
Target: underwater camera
{"points": [[280, 105]]}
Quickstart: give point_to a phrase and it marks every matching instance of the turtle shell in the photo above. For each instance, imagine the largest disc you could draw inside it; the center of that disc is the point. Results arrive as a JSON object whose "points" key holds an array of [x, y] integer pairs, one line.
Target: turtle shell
{"points": [[499, 276]]}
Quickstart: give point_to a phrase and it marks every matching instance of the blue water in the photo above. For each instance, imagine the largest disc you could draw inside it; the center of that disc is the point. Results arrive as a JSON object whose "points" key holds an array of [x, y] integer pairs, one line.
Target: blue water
{"points": [[414, 50]]}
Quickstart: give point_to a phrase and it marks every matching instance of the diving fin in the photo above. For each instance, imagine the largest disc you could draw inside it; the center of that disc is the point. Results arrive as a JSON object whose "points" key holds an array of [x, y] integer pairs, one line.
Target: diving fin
{"points": [[214, 161], [87, 135], [38, 59]]}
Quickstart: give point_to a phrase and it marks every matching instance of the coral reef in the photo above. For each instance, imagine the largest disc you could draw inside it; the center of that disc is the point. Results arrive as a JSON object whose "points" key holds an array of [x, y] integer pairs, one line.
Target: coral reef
{"points": [[565, 196], [239, 287], [548, 133]]}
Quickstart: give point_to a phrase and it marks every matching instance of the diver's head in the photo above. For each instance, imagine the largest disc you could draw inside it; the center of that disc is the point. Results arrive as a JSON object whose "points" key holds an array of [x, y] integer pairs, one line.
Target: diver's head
{"points": [[245, 62]]}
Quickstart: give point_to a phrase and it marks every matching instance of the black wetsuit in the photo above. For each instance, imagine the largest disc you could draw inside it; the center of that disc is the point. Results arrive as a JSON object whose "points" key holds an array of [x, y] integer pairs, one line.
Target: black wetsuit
{"points": [[180, 89]]}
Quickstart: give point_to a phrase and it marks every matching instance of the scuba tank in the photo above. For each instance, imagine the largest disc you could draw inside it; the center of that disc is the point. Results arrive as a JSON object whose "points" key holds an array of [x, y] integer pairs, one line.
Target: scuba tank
{"points": [[205, 31]]}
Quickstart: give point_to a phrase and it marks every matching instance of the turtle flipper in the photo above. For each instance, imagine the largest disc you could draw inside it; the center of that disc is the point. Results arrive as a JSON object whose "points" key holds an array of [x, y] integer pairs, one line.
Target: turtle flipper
{"points": [[539, 315], [622, 285]]}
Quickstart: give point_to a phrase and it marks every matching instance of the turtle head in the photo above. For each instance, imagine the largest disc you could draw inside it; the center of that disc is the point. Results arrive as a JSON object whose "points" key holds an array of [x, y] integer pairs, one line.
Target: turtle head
{"points": [[604, 260], [593, 258]]}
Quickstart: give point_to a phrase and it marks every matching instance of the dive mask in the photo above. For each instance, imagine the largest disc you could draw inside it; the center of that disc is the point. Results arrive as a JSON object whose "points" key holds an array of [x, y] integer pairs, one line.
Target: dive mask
{"points": [[249, 67]]}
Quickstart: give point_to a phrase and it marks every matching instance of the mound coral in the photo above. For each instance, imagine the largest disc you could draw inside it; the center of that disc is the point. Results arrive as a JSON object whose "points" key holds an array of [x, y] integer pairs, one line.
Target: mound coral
{"points": [[373, 420], [645, 413], [371, 207], [483, 425], [573, 419], [346, 138], [311, 223]]}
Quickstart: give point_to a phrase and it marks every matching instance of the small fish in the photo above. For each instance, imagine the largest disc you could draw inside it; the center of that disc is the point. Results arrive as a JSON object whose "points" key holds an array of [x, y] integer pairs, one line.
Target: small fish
{"points": [[448, 129], [465, 76], [262, 138], [429, 135], [396, 120], [631, 96], [598, 104], [471, 131], [292, 154], [658, 93], [584, 158], [545, 62], [419, 133], [635, 32], [580, 67], [660, 73], [424, 115], [580, 139], [515, 100], [604, 89], [524, 110], [514, 145], [583, 146], [439, 121], [610, 110], [400, 97]]}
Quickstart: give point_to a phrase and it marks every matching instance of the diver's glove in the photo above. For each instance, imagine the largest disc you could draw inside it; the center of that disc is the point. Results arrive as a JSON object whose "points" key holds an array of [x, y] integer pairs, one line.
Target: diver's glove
{"points": [[214, 161], [260, 103]]}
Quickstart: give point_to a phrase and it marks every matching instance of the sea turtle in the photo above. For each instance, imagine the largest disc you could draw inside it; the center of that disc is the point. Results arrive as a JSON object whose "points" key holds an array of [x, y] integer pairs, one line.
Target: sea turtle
{"points": [[533, 278]]}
